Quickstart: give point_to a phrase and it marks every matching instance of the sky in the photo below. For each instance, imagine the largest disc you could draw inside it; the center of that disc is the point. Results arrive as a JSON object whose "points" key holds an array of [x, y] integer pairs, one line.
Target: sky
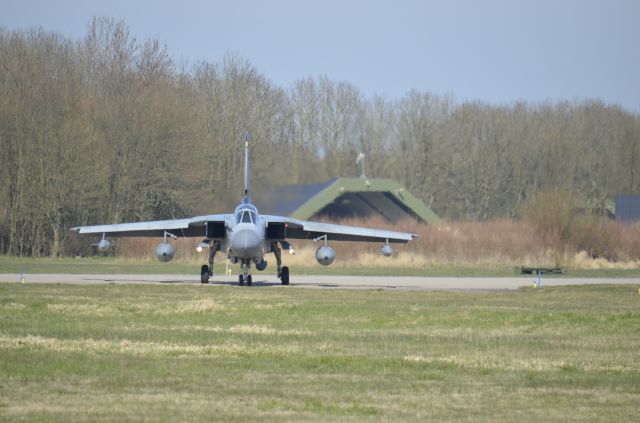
{"points": [[495, 51]]}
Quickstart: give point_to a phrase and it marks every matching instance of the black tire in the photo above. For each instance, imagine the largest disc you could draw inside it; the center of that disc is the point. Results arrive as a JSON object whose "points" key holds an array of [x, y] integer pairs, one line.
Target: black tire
{"points": [[204, 274], [284, 275], [249, 281], [241, 280]]}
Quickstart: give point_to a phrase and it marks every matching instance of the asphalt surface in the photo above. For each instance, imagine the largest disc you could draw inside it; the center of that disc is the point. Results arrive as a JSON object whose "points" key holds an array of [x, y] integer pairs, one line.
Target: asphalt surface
{"points": [[407, 283]]}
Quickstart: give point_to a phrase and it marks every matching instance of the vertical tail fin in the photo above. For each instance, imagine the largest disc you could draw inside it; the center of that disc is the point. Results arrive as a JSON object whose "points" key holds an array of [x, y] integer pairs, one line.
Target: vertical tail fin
{"points": [[246, 168]]}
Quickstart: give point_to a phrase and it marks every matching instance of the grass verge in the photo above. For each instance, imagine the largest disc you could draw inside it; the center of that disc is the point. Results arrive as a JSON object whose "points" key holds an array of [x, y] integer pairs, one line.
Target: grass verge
{"points": [[111, 265], [201, 353]]}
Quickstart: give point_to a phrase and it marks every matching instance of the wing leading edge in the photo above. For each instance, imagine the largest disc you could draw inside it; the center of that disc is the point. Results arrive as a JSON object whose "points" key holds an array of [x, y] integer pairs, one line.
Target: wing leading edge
{"points": [[295, 229], [190, 227], [302, 229]]}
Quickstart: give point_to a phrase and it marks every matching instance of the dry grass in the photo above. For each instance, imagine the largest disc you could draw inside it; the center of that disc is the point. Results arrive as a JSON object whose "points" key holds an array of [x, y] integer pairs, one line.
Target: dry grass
{"points": [[138, 348], [201, 306], [502, 243], [236, 329]]}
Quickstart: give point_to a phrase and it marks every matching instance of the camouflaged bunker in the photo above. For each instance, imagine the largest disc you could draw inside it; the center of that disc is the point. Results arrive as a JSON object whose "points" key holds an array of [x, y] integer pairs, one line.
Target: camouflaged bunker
{"points": [[341, 198]]}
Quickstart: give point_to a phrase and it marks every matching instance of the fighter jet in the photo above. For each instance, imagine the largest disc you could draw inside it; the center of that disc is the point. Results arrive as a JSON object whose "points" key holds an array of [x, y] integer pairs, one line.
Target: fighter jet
{"points": [[246, 236]]}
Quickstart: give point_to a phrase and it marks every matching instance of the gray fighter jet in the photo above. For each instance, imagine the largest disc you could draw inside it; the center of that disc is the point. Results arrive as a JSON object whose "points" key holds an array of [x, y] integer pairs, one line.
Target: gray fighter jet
{"points": [[246, 236]]}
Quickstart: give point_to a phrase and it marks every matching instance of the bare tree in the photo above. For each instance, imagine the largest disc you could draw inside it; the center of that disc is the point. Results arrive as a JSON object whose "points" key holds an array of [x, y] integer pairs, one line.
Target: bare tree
{"points": [[108, 129]]}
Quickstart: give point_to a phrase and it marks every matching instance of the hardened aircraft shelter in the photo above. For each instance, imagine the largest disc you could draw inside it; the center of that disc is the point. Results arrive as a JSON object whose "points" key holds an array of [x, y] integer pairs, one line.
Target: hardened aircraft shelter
{"points": [[341, 198]]}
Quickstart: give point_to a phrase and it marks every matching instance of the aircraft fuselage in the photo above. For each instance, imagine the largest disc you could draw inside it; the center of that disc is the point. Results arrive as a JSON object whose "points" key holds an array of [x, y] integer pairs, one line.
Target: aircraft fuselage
{"points": [[246, 234]]}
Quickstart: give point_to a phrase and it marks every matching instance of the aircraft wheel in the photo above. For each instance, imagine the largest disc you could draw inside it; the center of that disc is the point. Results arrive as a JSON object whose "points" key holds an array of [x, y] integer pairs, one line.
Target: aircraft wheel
{"points": [[249, 281], [204, 274], [284, 275], [241, 280]]}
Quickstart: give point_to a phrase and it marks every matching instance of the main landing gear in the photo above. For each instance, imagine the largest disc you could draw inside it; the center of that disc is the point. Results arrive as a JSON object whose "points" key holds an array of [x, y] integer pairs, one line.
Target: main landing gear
{"points": [[283, 272], [284, 275], [204, 274], [206, 271]]}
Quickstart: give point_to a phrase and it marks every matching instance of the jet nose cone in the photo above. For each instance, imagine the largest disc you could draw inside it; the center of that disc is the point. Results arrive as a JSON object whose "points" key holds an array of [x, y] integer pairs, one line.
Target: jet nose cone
{"points": [[245, 243]]}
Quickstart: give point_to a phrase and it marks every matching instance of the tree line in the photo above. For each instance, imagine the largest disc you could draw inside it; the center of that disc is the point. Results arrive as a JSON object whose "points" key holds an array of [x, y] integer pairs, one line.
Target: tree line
{"points": [[110, 129]]}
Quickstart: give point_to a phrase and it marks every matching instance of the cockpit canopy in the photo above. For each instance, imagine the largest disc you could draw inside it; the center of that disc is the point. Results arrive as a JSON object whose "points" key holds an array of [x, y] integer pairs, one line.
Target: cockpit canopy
{"points": [[246, 213]]}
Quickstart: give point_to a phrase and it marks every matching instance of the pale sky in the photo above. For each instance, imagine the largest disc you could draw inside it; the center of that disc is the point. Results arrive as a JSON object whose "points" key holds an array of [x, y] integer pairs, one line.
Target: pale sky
{"points": [[497, 51]]}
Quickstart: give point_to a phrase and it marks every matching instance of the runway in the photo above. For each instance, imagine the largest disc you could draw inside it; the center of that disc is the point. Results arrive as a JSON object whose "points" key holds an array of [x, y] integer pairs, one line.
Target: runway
{"points": [[406, 283]]}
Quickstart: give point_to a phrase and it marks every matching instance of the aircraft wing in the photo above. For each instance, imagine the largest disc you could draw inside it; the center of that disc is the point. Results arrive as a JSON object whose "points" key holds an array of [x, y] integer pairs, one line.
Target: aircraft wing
{"points": [[302, 229], [189, 227]]}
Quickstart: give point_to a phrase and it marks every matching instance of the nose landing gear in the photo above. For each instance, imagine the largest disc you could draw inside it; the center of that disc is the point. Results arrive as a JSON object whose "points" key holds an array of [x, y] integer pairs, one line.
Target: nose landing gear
{"points": [[245, 276]]}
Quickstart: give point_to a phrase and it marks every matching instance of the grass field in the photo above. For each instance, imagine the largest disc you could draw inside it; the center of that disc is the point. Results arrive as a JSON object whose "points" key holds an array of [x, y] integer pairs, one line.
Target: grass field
{"points": [[203, 353], [111, 265]]}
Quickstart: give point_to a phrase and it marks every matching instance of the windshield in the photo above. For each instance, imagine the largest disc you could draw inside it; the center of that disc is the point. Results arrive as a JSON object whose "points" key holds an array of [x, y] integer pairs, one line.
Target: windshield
{"points": [[246, 216]]}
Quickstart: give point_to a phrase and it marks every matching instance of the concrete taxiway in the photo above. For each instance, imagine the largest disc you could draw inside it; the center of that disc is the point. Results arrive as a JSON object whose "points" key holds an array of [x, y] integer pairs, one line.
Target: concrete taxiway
{"points": [[408, 283]]}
